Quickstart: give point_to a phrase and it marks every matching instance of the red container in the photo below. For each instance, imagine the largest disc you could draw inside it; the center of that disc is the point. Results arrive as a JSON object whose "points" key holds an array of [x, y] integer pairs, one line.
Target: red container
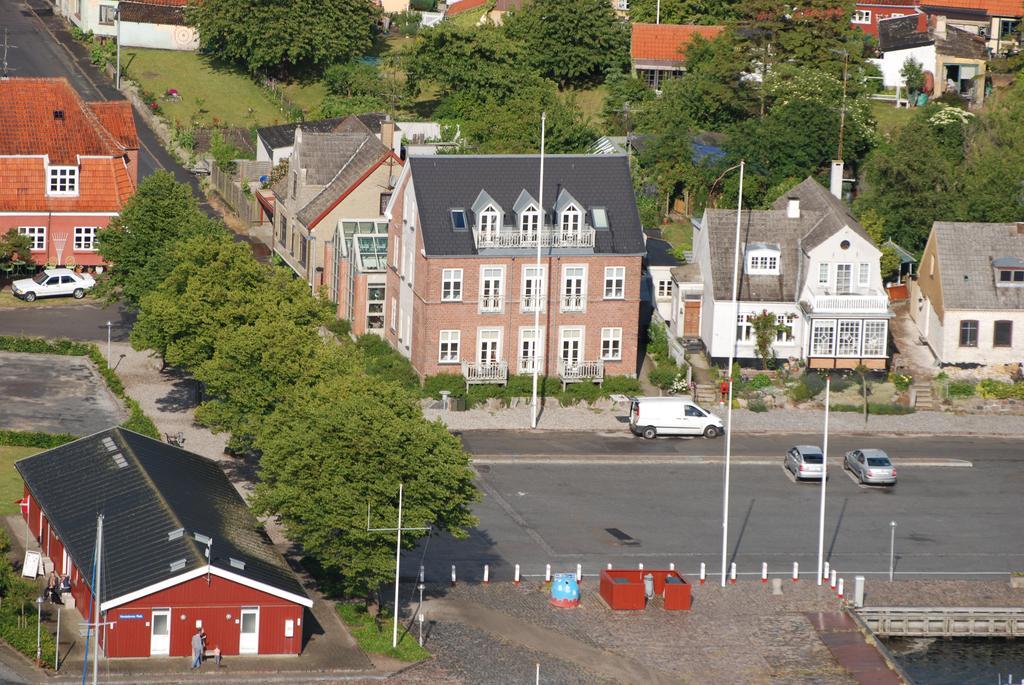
{"points": [[624, 589]]}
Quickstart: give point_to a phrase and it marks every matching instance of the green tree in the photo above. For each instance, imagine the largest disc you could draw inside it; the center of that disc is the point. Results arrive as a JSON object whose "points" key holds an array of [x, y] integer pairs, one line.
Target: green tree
{"points": [[627, 99], [912, 75], [994, 173], [571, 41], [352, 78], [766, 328], [286, 37], [14, 243], [684, 11], [141, 241], [347, 443], [874, 224]]}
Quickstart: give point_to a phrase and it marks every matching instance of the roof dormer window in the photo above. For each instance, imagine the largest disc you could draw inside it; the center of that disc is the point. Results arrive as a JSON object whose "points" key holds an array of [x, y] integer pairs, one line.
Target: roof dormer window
{"points": [[63, 180], [459, 219], [762, 260], [1009, 272], [489, 222], [570, 221], [600, 216], [529, 222]]}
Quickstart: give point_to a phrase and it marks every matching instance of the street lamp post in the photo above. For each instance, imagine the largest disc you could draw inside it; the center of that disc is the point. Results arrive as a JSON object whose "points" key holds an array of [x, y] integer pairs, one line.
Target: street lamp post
{"points": [[824, 480], [311, 257], [892, 548], [117, 73], [109, 325]]}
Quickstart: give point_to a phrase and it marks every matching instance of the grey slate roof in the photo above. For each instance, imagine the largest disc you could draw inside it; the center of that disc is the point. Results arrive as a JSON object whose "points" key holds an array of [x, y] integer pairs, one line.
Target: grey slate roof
{"points": [[446, 182], [965, 253], [160, 489], [821, 215], [960, 43], [900, 33], [283, 135]]}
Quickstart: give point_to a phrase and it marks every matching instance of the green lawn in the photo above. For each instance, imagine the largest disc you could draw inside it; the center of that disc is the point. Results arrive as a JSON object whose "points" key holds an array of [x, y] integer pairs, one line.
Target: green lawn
{"points": [[890, 118], [210, 91], [375, 639], [11, 488], [589, 102], [680, 235]]}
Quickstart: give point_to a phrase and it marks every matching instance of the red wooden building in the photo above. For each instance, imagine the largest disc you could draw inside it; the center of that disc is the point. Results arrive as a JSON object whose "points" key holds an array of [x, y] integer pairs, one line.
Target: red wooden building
{"points": [[180, 548], [67, 167]]}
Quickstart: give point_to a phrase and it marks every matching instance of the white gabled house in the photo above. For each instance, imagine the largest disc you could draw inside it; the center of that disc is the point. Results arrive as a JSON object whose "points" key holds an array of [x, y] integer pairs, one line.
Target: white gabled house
{"points": [[808, 262]]}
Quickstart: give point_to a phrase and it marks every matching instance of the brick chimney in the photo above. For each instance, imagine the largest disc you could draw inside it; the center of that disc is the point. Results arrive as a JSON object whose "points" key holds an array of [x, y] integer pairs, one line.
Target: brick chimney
{"points": [[387, 133], [793, 208]]}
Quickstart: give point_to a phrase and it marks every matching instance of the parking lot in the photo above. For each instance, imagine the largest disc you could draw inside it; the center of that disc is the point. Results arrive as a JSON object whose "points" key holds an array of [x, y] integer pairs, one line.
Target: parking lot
{"points": [[55, 394]]}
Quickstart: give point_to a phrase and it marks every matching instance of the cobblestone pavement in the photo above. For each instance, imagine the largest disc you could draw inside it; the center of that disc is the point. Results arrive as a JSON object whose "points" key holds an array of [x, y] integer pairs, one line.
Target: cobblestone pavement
{"points": [[776, 421], [939, 593], [738, 634]]}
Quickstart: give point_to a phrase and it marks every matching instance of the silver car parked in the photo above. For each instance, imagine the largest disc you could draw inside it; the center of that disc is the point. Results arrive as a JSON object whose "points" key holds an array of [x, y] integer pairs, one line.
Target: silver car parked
{"points": [[805, 461], [871, 466]]}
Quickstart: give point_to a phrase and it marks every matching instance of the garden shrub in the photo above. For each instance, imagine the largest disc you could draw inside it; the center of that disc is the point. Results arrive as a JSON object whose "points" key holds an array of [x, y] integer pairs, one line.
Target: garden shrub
{"points": [[408, 22], [664, 375], [960, 389], [901, 380], [657, 342], [478, 394], [808, 387], [33, 439], [384, 361], [575, 393], [453, 383], [880, 409], [621, 385], [757, 405], [760, 382], [1000, 390], [340, 327]]}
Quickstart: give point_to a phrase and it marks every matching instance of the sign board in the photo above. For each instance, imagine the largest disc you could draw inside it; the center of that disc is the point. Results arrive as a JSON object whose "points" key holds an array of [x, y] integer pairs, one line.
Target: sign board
{"points": [[30, 569], [131, 617], [289, 628]]}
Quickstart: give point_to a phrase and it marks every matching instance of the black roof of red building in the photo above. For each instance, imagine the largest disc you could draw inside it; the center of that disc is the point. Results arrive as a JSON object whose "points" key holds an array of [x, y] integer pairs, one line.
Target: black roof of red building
{"points": [[146, 491]]}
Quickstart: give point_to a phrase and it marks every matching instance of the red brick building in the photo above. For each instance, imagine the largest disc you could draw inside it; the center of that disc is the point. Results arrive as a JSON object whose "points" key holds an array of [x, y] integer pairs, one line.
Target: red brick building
{"points": [[463, 284], [180, 548], [66, 167], [657, 51]]}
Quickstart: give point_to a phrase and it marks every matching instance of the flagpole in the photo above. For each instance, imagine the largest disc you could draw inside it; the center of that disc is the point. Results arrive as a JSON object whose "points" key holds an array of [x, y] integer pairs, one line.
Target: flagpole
{"points": [[824, 479], [732, 356], [534, 408]]}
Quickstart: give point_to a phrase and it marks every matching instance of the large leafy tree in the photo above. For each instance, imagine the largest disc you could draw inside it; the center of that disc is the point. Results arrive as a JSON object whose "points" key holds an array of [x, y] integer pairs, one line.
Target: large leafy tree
{"points": [[285, 37], [141, 241], [571, 41], [628, 99], [684, 11], [349, 442]]}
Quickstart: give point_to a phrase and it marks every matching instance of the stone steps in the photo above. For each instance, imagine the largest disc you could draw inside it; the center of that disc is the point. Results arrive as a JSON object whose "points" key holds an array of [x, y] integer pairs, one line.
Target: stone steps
{"points": [[924, 399]]}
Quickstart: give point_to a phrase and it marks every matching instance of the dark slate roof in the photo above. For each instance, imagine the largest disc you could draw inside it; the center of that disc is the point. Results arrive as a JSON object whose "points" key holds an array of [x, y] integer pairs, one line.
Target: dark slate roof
{"points": [[659, 250], [960, 43], [446, 182], [965, 253], [901, 33], [159, 489], [821, 216], [152, 13], [283, 135]]}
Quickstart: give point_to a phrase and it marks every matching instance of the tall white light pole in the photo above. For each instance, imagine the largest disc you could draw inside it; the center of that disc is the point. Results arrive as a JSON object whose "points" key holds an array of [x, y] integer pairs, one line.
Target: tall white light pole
{"points": [[824, 479], [892, 548], [657, 15], [537, 347], [732, 356], [117, 73], [109, 324]]}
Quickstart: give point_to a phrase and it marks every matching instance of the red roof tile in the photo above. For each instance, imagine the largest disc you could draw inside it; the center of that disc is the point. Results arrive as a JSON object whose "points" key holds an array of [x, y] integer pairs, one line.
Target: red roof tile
{"points": [[667, 41], [994, 8], [464, 6], [116, 116]]}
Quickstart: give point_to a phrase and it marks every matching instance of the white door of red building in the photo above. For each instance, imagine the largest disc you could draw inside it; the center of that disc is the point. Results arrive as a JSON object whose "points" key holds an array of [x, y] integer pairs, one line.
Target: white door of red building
{"points": [[160, 633], [249, 638]]}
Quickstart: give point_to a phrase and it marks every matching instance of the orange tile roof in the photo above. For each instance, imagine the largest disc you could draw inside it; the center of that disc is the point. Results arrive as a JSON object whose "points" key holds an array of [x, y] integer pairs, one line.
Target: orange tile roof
{"points": [[667, 41], [994, 8], [104, 185], [464, 6], [116, 116]]}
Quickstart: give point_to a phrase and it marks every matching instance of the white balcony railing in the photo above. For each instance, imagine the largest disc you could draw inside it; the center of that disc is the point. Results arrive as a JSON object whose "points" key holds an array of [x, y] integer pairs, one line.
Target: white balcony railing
{"points": [[573, 303], [532, 303], [583, 237], [526, 365], [486, 372], [579, 371], [849, 303], [490, 303]]}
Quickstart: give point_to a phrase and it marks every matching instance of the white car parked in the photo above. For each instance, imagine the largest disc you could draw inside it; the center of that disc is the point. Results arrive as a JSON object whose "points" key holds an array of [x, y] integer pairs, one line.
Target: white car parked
{"points": [[52, 282]]}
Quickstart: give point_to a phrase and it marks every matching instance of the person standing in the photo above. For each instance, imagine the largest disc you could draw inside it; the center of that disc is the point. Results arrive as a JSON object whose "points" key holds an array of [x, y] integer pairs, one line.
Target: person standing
{"points": [[197, 649]]}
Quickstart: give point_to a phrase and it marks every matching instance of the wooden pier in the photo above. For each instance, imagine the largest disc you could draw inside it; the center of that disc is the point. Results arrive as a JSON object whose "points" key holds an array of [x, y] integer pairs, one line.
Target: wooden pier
{"points": [[944, 621]]}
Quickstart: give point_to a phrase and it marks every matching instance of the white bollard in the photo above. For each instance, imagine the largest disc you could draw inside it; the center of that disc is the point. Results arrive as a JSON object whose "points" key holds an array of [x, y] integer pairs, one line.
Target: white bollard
{"points": [[487, 574], [732, 573], [609, 566], [671, 566], [824, 574], [453, 575], [547, 573], [641, 566], [764, 572], [858, 591], [840, 593], [832, 580], [703, 573], [796, 571], [579, 572], [516, 581]]}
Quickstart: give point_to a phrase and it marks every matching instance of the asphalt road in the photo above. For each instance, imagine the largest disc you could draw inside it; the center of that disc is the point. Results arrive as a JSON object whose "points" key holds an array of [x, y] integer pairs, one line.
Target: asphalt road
{"points": [[526, 445], [44, 48], [950, 521], [77, 321]]}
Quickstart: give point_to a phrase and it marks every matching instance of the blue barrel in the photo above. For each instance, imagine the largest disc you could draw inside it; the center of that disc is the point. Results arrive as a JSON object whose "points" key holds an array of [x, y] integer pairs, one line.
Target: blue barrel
{"points": [[565, 591]]}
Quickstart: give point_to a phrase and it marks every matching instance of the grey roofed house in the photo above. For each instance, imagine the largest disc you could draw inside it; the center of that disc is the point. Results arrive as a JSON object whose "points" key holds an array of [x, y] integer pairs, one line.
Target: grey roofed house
{"points": [[968, 254], [333, 161], [146, 489], [821, 215], [444, 183], [902, 33], [283, 135]]}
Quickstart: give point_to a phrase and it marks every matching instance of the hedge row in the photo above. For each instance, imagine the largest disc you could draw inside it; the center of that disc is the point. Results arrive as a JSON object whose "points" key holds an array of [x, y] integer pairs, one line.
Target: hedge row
{"points": [[522, 386], [137, 419], [873, 408], [32, 439]]}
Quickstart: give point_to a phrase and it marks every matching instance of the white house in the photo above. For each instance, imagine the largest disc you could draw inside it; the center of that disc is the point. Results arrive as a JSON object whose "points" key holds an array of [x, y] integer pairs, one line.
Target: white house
{"points": [[968, 297], [808, 262], [144, 23]]}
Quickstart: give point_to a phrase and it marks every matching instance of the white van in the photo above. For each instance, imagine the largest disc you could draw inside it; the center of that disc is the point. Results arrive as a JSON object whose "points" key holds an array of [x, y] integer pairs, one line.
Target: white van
{"points": [[654, 416]]}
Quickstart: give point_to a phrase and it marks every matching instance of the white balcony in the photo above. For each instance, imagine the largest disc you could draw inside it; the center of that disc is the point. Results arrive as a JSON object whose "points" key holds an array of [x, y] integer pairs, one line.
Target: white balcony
{"points": [[526, 365], [573, 303], [580, 371], [490, 303], [487, 372], [864, 301], [532, 303], [582, 238]]}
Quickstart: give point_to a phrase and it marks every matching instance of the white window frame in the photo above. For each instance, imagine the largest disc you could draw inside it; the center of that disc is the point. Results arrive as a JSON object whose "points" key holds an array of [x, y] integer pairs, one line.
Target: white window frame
{"points": [[664, 289], [490, 334], [81, 233], [489, 223], [570, 223], [575, 302], [111, 10], [763, 262], [852, 328], [744, 329], [493, 302], [789, 321], [823, 274], [398, 250], [829, 325], [451, 281], [563, 336], [62, 180], [529, 223], [537, 277], [37, 234], [370, 313], [882, 327], [863, 275], [449, 346], [615, 283], [861, 17], [840, 268], [611, 344], [394, 313], [536, 337]]}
